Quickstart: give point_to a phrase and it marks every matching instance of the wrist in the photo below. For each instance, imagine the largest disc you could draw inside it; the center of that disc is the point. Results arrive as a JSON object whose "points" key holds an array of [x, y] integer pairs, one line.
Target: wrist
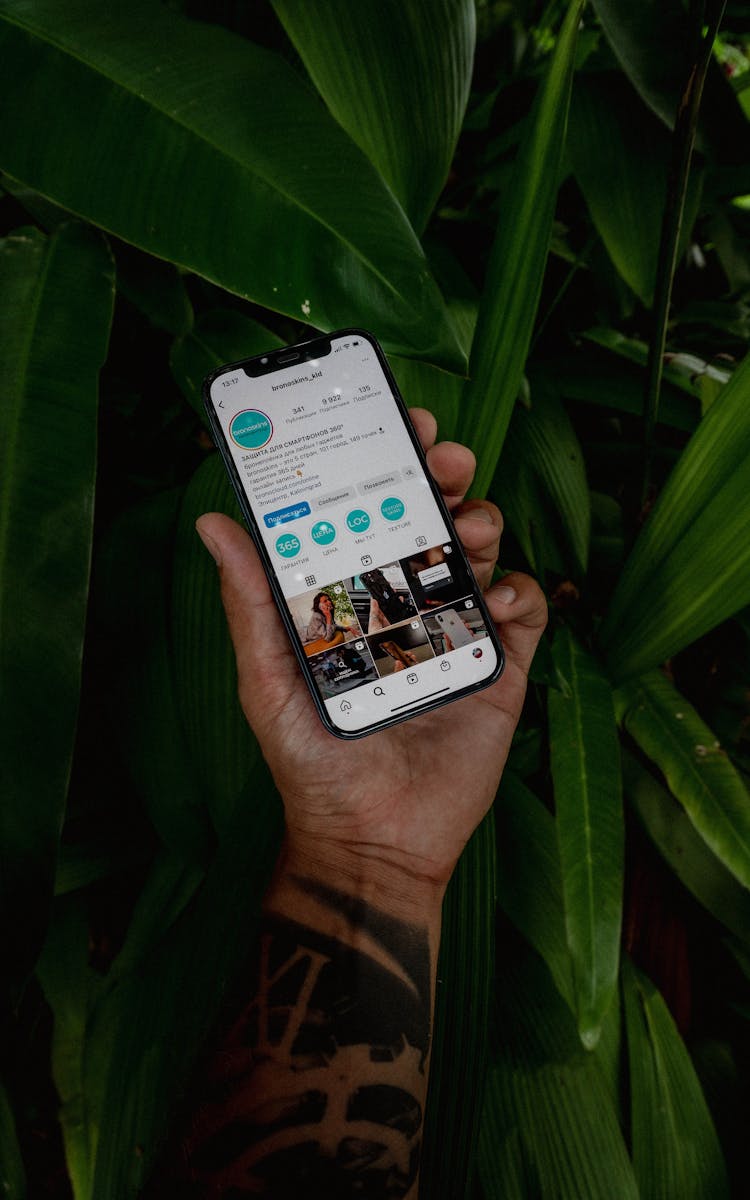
{"points": [[391, 881]]}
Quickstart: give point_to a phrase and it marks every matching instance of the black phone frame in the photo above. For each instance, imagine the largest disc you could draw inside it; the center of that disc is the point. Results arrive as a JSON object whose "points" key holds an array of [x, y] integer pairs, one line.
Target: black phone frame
{"points": [[319, 347]]}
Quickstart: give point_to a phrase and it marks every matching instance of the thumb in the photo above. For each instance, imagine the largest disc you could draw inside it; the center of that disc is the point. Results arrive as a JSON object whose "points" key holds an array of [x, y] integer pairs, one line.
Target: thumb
{"points": [[265, 661]]}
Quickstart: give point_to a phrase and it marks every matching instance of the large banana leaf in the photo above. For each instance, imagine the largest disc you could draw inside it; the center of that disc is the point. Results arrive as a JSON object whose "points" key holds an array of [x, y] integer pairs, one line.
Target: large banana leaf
{"points": [[584, 756], [651, 39], [699, 772], [685, 851], [459, 1054], [207, 150], [516, 267], [424, 386], [154, 287], [219, 336], [550, 1127], [185, 942], [396, 76], [674, 1145], [56, 299], [690, 567], [124, 1046], [620, 155]]}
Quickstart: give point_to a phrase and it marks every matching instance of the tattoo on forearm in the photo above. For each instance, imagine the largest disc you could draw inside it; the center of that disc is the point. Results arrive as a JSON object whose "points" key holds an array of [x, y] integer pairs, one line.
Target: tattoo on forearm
{"points": [[317, 1092]]}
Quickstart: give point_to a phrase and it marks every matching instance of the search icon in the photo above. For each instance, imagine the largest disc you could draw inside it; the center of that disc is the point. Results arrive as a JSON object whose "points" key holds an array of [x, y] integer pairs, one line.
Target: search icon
{"points": [[378, 692]]}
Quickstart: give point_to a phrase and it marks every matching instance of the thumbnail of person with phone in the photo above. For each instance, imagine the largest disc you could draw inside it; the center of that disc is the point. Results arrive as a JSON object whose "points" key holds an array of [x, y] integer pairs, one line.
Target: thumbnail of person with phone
{"points": [[319, 1089], [323, 624]]}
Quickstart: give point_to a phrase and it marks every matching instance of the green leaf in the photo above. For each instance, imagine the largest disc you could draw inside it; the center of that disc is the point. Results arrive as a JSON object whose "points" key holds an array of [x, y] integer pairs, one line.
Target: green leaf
{"points": [[652, 42], [132, 608], [156, 288], [158, 1017], [698, 771], [516, 267], [674, 1145], [219, 336], [550, 1127], [170, 886], [620, 155], [584, 756], [529, 880], [71, 989], [397, 82], [424, 386], [217, 157], [224, 754], [458, 1057], [541, 484], [79, 864], [685, 851], [690, 567], [12, 1174], [56, 299]]}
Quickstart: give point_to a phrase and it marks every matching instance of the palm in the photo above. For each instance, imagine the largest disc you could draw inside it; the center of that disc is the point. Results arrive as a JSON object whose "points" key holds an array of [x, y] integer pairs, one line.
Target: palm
{"points": [[420, 787], [413, 793]]}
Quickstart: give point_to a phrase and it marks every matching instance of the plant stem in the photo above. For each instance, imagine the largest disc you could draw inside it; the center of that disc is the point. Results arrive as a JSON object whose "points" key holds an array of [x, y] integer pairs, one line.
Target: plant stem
{"points": [[686, 123]]}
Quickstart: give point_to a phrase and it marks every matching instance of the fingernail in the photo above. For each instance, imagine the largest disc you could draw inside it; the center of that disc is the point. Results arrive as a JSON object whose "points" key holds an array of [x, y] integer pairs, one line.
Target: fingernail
{"points": [[506, 595], [478, 514], [209, 543]]}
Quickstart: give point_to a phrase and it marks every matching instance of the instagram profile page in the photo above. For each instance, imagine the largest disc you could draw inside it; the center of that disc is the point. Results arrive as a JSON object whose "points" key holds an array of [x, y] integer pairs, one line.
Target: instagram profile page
{"points": [[382, 603]]}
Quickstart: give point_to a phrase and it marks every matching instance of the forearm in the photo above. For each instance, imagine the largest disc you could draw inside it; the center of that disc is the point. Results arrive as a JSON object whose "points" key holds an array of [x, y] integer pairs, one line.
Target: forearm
{"points": [[324, 1076]]}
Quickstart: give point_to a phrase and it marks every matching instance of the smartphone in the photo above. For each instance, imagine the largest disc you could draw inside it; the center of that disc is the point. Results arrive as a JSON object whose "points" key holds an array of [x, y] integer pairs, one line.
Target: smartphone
{"points": [[358, 545]]}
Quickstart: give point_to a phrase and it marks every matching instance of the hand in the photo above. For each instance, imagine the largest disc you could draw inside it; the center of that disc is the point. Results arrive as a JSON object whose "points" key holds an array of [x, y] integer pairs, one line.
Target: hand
{"points": [[400, 804]]}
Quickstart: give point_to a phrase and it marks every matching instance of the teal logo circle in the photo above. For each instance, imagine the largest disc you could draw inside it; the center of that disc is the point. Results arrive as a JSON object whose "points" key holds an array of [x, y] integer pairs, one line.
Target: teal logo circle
{"points": [[392, 508], [357, 521], [250, 429], [288, 545], [323, 532]]}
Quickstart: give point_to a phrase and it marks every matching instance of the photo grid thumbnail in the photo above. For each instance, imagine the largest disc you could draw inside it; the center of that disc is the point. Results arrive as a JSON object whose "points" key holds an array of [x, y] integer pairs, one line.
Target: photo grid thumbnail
{"points": [[386, 619]]}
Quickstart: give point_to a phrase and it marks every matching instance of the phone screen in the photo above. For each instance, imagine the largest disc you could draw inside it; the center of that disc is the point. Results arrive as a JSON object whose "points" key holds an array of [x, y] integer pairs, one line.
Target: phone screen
{"points": [[380, 596]]}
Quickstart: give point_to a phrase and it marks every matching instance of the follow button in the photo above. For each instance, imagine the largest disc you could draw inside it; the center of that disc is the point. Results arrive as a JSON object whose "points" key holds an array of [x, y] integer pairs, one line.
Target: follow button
{"points": [[290, 513]]}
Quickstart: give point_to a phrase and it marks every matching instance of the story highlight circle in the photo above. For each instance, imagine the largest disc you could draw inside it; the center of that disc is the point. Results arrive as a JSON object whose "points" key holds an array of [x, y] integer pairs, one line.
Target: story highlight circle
{"points": [[288, 545]]}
